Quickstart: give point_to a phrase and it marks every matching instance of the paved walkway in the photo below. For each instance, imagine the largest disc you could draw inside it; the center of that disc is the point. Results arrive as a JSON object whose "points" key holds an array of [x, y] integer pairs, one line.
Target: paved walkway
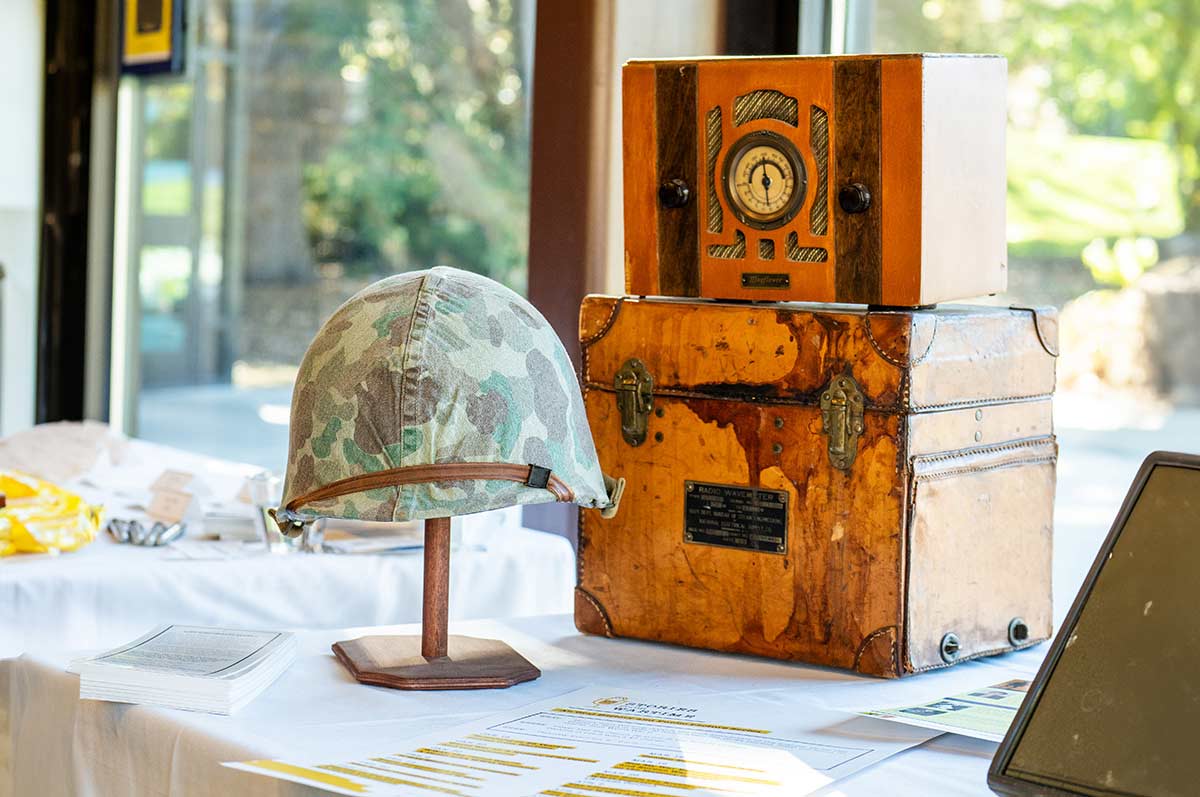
{"points": [[244, 425]]}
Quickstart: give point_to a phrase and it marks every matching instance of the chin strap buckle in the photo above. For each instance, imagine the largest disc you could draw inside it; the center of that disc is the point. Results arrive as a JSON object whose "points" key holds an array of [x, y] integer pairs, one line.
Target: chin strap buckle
{"points": [[539, 477], [616, 489]]}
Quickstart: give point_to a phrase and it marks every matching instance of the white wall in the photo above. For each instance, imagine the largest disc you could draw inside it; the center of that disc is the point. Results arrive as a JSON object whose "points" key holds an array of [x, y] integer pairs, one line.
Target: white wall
{"points": [[662, 29], [21, 37]]}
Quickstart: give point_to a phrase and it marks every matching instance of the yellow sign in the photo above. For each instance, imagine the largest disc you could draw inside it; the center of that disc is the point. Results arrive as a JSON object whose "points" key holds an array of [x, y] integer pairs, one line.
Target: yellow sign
{"points": [[149, 32]]}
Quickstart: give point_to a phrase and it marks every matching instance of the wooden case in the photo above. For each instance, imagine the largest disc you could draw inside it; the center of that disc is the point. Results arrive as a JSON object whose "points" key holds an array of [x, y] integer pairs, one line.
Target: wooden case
{"points": [[870, 490], [918, 138]]}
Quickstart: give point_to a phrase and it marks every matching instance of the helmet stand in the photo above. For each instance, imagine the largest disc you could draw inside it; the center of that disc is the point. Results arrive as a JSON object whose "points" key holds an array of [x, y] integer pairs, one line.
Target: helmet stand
{"points": [[435, 660]]}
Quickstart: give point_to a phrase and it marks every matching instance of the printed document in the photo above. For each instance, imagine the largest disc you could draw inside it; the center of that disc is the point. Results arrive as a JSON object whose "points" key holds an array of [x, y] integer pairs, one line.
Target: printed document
{"points": [[601, 742], [981, 714], [191, 650]]}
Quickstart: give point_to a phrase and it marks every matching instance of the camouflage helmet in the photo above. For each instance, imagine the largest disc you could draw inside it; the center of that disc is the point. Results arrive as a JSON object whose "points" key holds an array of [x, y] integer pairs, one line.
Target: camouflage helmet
{"points": [[432, 394]]}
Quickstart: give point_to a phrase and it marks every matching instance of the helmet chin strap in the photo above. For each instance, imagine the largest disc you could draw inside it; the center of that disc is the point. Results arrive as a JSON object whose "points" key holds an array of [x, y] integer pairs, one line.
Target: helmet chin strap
{"points": [[292, 523], [533, 476]]}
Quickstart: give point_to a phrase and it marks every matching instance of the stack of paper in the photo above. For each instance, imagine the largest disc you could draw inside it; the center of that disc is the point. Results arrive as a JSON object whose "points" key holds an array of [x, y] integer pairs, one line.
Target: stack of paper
{"points": [[216, 670]]}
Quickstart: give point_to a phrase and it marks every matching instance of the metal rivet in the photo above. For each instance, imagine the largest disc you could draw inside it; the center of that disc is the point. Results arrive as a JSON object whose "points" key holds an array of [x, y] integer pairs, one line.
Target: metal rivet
{"points": [[779, 423], [950, 647], [658, 437], [777, 448], [659, 412], [979, 415], [1018, 632], [978, 436], [688, 537]]}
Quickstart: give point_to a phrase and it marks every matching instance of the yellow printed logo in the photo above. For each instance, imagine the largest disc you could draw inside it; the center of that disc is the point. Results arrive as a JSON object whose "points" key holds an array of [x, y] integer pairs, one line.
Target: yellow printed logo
{"points": [[610, 701]]}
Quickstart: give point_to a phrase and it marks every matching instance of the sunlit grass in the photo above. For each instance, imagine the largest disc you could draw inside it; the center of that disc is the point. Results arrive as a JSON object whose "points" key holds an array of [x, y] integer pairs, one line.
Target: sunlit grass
{"points": [[167, 191], [1065, 191], [169, 195]]}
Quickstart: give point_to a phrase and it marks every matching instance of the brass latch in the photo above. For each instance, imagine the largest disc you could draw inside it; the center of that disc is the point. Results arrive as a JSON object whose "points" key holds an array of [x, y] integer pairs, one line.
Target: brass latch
{"points": [[842, 419], [635, 399]]}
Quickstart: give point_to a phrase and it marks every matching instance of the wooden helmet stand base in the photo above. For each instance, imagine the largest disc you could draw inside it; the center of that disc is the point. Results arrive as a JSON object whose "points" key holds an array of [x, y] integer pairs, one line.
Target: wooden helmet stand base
{"points": [[435, 660]]}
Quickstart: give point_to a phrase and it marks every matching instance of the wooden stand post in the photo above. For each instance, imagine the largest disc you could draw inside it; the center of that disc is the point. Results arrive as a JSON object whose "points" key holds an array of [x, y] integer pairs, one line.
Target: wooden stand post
{"points": [[434, 660], [435, 610]]}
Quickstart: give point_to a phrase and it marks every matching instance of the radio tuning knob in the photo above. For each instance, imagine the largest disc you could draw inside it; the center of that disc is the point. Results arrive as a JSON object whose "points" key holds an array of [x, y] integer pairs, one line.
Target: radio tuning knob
{"points": [[674, 193], [854, 198]]}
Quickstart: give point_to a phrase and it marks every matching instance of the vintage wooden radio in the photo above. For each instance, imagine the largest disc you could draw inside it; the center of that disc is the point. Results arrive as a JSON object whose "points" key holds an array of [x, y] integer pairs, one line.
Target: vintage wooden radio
{"points": [[866, 179], [864, 489]]}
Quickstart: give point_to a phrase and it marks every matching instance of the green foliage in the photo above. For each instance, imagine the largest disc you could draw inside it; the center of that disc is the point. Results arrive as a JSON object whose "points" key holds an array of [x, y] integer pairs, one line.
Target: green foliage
{"points": [[1120, 68], [431, 164], [168, 120], [1122, 263], [1111, 68], [1067, 190], [166, 195], [163, 276]]}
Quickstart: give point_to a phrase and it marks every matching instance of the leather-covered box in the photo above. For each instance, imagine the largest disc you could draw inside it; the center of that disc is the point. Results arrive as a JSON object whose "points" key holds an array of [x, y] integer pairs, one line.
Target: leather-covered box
{"points": [[863, 489], [875, 179]]}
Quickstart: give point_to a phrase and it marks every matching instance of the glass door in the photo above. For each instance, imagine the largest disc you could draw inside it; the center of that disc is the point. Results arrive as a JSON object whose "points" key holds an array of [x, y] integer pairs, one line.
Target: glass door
{"points": [[310, 149]]}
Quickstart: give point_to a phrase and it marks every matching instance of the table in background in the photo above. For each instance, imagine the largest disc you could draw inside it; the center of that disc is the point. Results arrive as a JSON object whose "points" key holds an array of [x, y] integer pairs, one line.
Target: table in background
{"points": [[67, 746]]}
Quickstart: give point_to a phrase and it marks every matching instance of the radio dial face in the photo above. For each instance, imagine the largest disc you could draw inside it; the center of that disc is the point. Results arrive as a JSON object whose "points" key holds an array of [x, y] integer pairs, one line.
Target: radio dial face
{"points": [[765, 181]]}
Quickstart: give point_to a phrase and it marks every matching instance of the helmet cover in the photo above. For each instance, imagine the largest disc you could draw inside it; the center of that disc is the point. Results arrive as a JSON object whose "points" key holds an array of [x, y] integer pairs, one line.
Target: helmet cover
{"points": [[431, 394]]}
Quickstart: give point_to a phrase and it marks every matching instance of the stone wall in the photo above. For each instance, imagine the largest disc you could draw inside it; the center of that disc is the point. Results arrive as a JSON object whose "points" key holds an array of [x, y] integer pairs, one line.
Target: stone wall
{"points": [[1171, 324], [1047, 280], [280, 318], [1144, 338]]}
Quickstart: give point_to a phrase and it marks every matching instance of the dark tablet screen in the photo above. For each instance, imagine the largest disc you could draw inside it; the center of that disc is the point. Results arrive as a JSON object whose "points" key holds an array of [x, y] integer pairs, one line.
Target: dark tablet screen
{"points": [[1120, 711]]}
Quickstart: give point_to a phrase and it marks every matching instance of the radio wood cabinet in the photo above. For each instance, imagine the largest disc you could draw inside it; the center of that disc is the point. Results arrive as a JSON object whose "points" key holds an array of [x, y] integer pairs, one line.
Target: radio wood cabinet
{"points": [[866, 179]]}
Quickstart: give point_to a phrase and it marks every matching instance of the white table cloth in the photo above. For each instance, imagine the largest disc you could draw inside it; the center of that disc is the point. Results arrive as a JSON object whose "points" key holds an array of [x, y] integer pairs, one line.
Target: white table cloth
{"points": [[65, 746]]}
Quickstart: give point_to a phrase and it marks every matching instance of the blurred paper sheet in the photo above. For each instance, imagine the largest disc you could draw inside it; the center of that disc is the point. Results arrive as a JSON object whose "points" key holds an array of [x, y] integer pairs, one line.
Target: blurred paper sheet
{"points": [[215, 550], [981, 713], [599, 740], [57, 452]]}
